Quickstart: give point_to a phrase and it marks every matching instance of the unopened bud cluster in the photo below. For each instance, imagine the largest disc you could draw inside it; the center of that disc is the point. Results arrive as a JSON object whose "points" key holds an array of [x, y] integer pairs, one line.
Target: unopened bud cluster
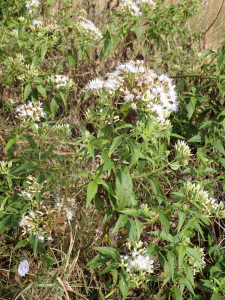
{"points": [[29, 73], [30, 111], [138, 263], [44, 26], [196, 193], [5, 166], [183, 152], [15, 62], [34, 187]]}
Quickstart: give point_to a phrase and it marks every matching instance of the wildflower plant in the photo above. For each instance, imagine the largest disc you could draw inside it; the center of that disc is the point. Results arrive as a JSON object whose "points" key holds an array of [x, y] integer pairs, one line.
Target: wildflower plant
{"points": [[100, 140]]}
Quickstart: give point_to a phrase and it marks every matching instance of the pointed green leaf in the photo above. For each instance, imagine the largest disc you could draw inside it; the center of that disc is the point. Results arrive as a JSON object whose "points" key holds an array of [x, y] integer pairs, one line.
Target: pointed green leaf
{"points": [[27, 91], [123, 283], [42, 90], [122, 220], [115, 144], [91, 192], [108, 251]]}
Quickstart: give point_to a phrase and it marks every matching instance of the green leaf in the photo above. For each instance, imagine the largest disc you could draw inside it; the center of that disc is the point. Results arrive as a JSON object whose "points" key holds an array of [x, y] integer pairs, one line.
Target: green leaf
{"points": [[175, 166], [182, 217], [9, 144], [107, 47], [195, 254], [31, 141], [72, 61], [91, 192], [80, 52], [27, 91], [20, 244], [108, 163], [5, 223], [105, 132], [163, 235], [149, 127], [190, 109], [182, 251], [123, 283], [197, 139], [177, 136], [123, 189], [219, 147], [171, 263], [90, 147], [130, 211], [54, 106], [187, 283], [112, 266], [25, 168], [138, 228], [164, 220], [122, 220], [43, 51], [115, 144], [189, 273], [108, 251], [131, 229], [35, 60], [63, 98], [42, 91], [138, 31], [98, 261]]}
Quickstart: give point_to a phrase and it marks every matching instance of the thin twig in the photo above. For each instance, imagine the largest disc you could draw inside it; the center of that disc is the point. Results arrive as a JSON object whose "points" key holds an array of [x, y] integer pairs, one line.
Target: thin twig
{"points": [[215, 18]]}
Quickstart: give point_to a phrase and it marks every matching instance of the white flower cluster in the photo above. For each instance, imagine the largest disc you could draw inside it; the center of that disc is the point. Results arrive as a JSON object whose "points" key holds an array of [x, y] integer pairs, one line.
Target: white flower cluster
{"points": [[196, 193], [31, 111], [134, 7], [137, 263], [183, 152], [61, 81], [196, 267], [30, 5], [89, 29], [37, 23], [5, 166], [155, 95]]}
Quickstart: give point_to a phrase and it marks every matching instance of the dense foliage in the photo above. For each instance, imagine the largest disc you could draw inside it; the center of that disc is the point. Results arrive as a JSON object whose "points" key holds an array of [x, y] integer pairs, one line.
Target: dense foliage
{"points": [[112, 144]]}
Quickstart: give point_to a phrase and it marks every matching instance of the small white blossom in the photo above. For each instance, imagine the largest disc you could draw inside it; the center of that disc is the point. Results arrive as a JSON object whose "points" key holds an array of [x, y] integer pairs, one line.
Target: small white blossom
{"points": [[95, 84], [89, 29]]}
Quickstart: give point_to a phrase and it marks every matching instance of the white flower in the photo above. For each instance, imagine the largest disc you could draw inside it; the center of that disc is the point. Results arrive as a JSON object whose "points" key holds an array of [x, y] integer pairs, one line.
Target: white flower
{"points": [[133, 106], [95, 84], [31, 111], [111, 84], [36, 22], [89, 28]]}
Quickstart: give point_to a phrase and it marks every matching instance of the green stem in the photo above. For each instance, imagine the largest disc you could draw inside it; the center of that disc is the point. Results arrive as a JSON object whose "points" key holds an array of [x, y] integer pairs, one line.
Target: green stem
{"points": [[153, 172]]}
